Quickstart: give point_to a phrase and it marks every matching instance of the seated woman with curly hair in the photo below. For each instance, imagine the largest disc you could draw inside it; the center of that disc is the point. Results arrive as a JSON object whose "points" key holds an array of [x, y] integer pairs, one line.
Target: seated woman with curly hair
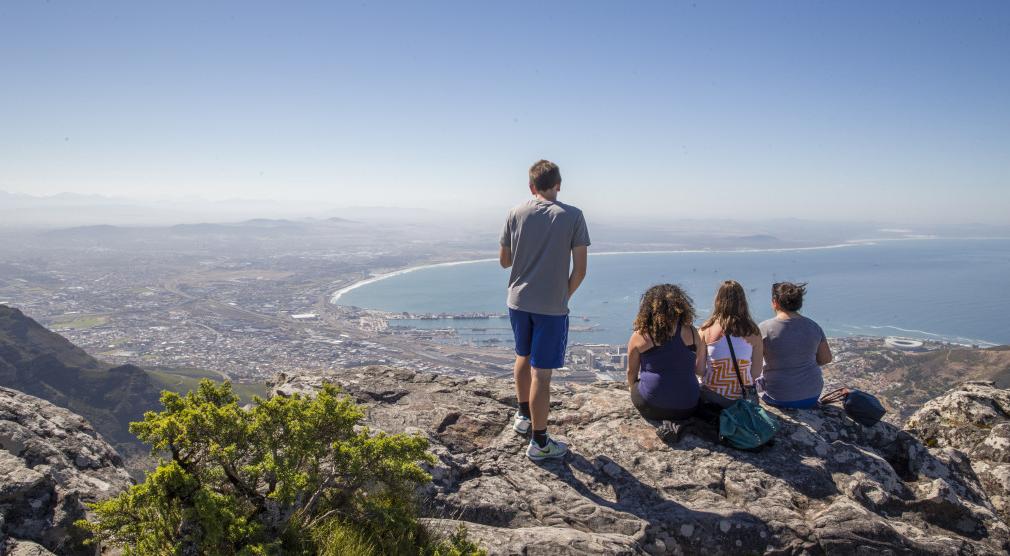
{"points": [[665, 355]]}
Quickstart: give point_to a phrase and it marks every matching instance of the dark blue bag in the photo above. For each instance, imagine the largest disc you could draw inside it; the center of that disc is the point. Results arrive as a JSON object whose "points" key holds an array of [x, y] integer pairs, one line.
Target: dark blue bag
{"points": [[861, 407]]}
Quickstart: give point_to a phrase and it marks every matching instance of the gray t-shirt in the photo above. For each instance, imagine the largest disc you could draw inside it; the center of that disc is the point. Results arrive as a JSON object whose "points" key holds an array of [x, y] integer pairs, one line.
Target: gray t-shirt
{"points": [[791, 372], [541, 236]]}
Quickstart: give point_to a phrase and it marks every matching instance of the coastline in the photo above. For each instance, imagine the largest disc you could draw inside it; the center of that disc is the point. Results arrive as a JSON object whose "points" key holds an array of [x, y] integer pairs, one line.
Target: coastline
{"points": [[406, 270], [856, 330], [953, 340]]}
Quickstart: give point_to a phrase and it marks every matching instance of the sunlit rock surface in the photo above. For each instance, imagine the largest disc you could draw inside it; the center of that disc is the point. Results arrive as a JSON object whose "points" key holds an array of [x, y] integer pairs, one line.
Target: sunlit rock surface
{"points": [[973, 418], [52, 462], [828, 485]]}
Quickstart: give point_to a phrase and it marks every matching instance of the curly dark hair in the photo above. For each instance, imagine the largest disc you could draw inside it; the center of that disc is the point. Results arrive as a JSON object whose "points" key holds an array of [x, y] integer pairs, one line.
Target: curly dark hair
{"points": [[662, 307]]}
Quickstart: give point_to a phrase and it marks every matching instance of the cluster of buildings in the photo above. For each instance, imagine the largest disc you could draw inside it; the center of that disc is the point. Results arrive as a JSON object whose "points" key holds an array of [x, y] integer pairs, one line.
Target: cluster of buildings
{"points": [[603, 361]]}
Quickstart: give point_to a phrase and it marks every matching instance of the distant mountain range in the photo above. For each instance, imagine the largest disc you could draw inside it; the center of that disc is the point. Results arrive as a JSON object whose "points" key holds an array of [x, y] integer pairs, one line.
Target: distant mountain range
{"points": [[273, 226], [68, 210]]}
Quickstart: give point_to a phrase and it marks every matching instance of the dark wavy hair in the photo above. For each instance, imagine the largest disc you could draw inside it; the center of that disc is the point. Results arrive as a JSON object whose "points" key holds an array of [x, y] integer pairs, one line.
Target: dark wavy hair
{"points": [[789, 295], [730, 311], [662, 307]]}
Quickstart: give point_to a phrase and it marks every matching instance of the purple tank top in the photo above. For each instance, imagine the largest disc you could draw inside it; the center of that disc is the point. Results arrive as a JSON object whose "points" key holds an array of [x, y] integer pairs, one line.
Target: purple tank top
{"points": [[666, 376]]}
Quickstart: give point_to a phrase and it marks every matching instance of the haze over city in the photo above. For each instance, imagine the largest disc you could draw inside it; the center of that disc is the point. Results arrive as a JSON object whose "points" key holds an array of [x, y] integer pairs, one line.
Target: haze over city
{"points": [[896, 113]]}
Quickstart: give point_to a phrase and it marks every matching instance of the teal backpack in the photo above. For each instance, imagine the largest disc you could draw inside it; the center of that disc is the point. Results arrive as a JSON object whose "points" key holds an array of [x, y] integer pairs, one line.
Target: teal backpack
{"points": [[745, 425]]}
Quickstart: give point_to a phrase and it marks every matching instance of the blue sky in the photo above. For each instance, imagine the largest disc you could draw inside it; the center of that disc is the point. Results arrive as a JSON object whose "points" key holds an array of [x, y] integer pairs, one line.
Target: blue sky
{"points": [[893, 111]]}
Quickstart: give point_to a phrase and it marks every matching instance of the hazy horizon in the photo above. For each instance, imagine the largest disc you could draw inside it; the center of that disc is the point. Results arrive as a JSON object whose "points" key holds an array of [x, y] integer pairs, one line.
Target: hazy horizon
{"points": [[890, 113], [71, 210]]}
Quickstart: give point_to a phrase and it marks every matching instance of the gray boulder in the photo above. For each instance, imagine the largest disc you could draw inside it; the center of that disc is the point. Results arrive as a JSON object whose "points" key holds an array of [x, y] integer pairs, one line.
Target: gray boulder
{"points": [[827, 485], [973, 418], [52, 463], [25, 548]]}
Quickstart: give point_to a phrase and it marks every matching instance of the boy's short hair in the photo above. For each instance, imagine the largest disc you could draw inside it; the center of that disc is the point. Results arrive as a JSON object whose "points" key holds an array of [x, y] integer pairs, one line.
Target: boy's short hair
{"points": [[544, 175]]}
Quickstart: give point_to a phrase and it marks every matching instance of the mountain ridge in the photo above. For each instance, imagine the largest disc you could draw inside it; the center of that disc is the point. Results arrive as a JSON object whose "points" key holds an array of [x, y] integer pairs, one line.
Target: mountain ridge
{"points": [[44, 364]]}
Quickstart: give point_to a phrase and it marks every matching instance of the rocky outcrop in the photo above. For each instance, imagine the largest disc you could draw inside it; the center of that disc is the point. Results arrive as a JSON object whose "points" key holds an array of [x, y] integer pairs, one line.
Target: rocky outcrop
{"points": [[827, 485], [41, 363], [52, 463], [974, 419]]}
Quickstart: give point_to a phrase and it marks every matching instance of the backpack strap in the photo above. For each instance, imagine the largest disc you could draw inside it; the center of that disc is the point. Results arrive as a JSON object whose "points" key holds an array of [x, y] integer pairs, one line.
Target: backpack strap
{"points": [[834, 396], [736, 366]]}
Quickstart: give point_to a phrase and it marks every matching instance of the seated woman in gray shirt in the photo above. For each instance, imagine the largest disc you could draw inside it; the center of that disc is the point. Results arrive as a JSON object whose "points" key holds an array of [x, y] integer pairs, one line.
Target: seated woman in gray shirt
{"points": [[794, 350]]}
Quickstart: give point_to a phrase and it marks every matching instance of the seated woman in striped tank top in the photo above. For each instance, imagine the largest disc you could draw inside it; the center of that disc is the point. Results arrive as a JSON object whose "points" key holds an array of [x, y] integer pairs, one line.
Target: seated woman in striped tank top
{"points": [[730, 321]]}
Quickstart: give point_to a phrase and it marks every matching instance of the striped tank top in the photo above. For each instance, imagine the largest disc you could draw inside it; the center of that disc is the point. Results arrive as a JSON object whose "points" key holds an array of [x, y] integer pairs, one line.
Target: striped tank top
{"points": [[719, 374]]}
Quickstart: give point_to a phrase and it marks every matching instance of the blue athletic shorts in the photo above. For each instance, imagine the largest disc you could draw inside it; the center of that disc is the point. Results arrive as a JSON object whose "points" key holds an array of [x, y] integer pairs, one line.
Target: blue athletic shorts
{"points": [[545, 337]]}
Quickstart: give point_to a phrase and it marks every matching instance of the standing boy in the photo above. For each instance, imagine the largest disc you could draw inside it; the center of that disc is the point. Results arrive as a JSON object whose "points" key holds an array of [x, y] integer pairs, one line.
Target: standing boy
{"points": [[541, 240]]}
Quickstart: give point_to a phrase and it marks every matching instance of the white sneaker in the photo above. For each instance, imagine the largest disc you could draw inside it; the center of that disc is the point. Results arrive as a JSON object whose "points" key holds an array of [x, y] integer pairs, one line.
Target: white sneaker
{"points": [[552, 449], [521, 424]]}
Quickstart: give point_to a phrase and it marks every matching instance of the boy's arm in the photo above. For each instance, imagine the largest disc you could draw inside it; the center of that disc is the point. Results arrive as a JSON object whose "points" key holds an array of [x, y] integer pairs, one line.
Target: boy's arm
{"points": [[580, 256], [505, 256], [505, 244]]}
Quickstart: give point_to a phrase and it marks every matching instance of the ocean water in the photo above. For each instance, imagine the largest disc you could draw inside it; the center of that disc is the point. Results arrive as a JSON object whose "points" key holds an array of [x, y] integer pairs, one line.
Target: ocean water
{"points": [[936, 289]]}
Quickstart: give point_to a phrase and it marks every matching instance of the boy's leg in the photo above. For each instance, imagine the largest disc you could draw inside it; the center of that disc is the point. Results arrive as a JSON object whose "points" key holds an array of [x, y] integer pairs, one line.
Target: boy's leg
{"points": [[540, 398], [522, 330], [521, 373], [549, 342]]}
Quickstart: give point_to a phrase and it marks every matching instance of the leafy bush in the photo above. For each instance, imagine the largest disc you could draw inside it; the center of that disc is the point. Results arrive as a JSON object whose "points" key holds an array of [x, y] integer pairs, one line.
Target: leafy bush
{"points": [[458, 544], [288, 475]]}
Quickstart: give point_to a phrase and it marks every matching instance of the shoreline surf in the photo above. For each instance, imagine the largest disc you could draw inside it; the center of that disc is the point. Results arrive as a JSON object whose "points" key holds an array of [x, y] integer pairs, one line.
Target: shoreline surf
{"points": [[406, 270], [870, 327], [848, 243]]}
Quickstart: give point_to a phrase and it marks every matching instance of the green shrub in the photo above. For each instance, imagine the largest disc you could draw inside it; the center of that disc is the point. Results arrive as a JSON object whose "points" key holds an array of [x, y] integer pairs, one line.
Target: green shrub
{"points": [[288, 475], [457, 544]]}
